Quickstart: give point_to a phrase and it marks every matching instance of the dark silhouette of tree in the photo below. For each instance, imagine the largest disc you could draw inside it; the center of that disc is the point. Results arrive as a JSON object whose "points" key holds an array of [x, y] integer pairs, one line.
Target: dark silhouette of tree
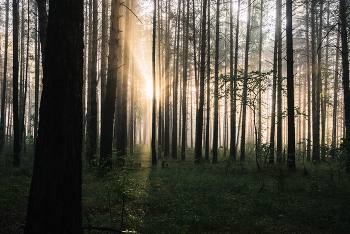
{"points": [[345, 61], [216, 86], [184, 80], [245, 83], [153, 142], [3, 96], [16, 146], [54, 203], [207, 128], [290, 86], [109, 106], [199, 116]]}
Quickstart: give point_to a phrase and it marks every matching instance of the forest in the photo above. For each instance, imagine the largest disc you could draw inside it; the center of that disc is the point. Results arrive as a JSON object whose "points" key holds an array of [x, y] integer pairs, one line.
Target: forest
{"points": [[174, 116]]}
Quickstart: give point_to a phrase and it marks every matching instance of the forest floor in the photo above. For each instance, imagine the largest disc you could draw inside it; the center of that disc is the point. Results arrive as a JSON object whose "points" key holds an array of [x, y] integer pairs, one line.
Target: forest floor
{"points": [[184, 197]]}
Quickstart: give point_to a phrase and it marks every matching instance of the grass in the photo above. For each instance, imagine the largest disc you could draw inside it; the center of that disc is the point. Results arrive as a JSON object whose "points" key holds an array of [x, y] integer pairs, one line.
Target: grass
{"points": [[185, 197]]}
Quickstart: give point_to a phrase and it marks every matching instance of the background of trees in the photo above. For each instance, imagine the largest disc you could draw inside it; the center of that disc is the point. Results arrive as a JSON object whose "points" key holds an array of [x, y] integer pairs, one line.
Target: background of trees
{"points": [[221, 78]]}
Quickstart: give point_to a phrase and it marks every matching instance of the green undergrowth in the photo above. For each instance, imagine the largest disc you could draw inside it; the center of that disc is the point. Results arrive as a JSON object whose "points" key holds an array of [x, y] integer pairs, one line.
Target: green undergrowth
{"points": [[184, 197]]}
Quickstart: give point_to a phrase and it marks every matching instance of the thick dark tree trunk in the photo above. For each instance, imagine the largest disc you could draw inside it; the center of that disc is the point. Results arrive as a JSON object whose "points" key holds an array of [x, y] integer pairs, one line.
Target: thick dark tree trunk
{"points": [[54, 203], [166, 91]]}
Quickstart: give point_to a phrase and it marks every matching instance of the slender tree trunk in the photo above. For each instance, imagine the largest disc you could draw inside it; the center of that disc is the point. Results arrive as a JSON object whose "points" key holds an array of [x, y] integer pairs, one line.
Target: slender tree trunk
{"points": [[159, 88], [308, 152], [174, 133], [109, 107], [273, 106], [207, 128], [92, 127], [16, 146], [234, 83], [184, 88], [167, 87], [345, 61], [279, 80], [3, 94], [290, 86], [104, 53], [199, 117], [259, 95], [153, 143], [42, 26], [216, 87], [315, 92], [245, 81], [325, 96], [335, 97]]}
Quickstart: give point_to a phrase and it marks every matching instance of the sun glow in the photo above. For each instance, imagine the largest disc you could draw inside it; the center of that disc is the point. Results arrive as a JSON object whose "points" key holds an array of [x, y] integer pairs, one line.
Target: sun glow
{"points": [[149, 88]]}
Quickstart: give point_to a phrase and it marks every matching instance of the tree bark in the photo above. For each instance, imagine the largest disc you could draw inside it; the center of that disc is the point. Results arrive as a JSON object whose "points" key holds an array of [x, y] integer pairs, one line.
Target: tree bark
{"points": [[245, 83], [290, 86], [3, 94], [109, 107], [16, 146], [207, 128], [199, 118], [54, 203], [216, 86], [345, 61], [184, 88], [153, 143]]}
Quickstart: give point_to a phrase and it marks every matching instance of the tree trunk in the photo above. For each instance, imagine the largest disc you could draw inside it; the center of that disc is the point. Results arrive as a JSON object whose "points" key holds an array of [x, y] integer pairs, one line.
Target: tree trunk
{"points": [[184, 88], [259, 95], [290, 86], [273, 106], [199, 118], [110, 100], [308, 152], [92, 127], [335, 97], [16, 146], [175, 84], [279, 80], [245, 81], [345, 60], [42, 26], [319, 74], [216, 87], [233, 148], [167, 87], [315, 92], [3, 94], [54, 203], [153, 143], [207, 128]]}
